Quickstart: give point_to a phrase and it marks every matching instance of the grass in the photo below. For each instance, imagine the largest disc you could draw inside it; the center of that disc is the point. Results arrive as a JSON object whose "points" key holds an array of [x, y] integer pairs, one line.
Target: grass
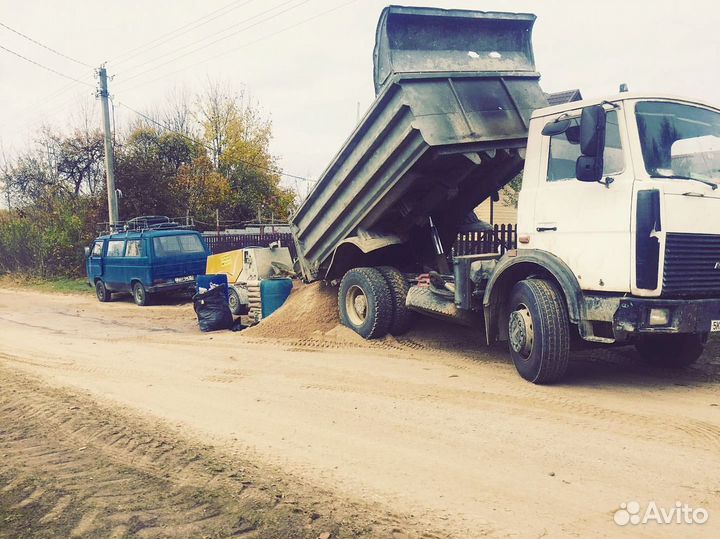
{"points": [[55, 285]]}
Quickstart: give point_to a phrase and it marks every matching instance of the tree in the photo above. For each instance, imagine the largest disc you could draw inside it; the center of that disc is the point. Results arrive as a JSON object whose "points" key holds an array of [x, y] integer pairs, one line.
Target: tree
{"points": [[146, 167], [511, 192], [200, 189]]}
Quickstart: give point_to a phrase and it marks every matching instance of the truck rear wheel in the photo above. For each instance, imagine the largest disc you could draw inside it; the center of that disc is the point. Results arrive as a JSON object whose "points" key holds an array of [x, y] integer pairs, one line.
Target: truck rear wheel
{"points": [[365, 302], [674, 351], [402, 316], [538, 331]]}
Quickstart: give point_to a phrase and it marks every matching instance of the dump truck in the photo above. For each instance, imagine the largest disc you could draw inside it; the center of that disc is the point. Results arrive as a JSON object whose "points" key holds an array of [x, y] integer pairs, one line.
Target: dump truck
{"points": [[618, 235]]}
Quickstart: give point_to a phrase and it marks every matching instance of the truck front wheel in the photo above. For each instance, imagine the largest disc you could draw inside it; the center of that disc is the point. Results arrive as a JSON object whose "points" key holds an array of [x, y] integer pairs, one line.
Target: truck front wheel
{"points": [[674, 351], [538, 331], [365, 302]]}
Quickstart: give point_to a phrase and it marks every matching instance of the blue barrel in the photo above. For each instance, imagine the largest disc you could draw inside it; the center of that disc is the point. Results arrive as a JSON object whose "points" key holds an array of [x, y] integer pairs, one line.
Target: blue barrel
{"points": [[273, 293], [211, 281]]}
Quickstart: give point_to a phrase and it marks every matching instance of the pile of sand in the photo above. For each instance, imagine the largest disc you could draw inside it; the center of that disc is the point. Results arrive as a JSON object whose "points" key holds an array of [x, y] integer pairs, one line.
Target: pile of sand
{"points": [[310, 311]]}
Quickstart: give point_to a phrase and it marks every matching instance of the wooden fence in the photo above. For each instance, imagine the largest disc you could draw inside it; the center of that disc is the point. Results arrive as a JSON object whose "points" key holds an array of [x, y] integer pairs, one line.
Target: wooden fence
{"points": [[228, 242], [500, 239]]}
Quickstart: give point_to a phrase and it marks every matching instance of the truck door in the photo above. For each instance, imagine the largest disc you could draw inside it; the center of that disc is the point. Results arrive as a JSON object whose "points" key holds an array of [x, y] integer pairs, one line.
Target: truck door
{"points": [[587, 225]]}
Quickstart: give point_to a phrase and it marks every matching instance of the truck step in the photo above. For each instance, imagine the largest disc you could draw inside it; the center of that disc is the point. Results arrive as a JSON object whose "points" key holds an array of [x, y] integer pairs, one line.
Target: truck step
{"points": [[423, 300]]}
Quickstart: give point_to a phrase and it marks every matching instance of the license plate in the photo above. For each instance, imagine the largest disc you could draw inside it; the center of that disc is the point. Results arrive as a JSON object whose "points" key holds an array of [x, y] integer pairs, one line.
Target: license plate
{"points": [[184, 279], [715, 325]]}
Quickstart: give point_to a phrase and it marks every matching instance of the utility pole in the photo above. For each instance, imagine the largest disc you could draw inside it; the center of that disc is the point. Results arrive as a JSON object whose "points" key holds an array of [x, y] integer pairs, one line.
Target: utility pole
{"points": [[109, 161]]}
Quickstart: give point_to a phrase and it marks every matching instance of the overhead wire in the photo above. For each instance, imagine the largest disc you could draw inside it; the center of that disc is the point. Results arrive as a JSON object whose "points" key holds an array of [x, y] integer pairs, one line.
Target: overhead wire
{"points": [[50, 69], [169, 36], [246, 44], [55, 51], [194, 43]]}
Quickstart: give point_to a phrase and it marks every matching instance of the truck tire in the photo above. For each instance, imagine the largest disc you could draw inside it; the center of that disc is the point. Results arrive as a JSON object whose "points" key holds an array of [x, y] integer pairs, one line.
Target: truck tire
{"points": [[140, 295], [365, 302], [539, 331], [402, 317], [674, 351], [103, 294]]}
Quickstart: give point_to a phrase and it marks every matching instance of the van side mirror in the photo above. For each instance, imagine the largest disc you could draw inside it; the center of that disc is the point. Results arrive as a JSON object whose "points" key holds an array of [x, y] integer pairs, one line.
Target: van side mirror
{"points": [[87, 252], [589, 166]]}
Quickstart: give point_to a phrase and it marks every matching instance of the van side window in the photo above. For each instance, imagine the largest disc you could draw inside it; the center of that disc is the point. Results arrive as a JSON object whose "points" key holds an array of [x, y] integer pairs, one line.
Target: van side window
{"points": [[115, 248], [97, 248], [133, 248], [565, 150]]}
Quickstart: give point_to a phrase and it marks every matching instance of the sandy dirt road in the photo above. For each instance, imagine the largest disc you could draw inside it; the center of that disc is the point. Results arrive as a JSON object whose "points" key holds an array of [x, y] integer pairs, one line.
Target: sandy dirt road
{"points": [[393, 438]]}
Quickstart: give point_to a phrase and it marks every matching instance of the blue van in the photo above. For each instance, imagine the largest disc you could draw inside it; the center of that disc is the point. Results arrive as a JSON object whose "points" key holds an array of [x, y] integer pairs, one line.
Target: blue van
{"points": [[144, 262]]}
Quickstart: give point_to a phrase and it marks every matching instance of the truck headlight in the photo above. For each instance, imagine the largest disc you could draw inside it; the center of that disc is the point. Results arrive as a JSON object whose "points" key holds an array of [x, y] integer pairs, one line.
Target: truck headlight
{"points": [[659, 317]]}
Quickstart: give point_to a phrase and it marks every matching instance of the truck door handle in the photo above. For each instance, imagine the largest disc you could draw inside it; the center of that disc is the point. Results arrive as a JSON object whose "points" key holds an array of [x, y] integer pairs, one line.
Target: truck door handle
{"points": [[546, 229]]}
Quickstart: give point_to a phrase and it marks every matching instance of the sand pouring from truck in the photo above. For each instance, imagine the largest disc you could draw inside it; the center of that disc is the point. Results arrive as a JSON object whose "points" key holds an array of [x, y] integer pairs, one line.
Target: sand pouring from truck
{"points": [[618, 227]]}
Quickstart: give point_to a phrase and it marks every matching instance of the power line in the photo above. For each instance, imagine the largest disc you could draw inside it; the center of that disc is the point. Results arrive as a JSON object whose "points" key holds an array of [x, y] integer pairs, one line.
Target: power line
{"points": [[50, 69], [186, 28], [191, 139], [247, 44], [45, 46], [302, 2]]}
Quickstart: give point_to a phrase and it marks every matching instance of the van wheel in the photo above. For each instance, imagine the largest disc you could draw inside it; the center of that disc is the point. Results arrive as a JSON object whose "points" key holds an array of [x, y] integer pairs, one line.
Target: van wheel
{"points": [[402, 316], [365, 302], [674, 351], [102, 293], [139, 294], [538, 331]]}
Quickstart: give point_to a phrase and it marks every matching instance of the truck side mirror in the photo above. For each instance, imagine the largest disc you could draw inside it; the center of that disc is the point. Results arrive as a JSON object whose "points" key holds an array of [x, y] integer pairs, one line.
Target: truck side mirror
{"points": [[589, 166]]}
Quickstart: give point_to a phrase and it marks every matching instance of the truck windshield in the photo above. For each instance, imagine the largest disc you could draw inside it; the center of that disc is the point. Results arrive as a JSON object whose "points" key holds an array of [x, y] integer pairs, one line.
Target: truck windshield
{"points": [[177, 245], [679, 141]]}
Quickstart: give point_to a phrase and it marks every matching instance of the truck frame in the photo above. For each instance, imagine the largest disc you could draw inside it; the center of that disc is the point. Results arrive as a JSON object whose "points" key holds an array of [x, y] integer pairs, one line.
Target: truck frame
{"points": [[618, 227]]}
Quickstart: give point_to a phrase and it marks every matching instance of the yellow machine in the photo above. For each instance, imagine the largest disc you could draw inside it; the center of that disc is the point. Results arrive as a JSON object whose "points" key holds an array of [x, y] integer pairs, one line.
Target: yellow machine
{"points": [[245, 268], [230, 263]]}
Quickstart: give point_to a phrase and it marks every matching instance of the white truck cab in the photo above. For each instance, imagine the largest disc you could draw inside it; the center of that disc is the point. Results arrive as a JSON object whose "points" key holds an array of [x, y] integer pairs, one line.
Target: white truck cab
{"points": [[620, 212]]}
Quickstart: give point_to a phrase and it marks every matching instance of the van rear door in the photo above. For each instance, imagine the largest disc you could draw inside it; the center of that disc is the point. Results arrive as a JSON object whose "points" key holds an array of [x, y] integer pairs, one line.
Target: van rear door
{"points": [[178, 256]]}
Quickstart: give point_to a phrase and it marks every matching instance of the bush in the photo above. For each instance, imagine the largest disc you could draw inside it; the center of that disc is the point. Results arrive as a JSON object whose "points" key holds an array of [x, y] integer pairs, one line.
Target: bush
{"points": [[47, 241]]}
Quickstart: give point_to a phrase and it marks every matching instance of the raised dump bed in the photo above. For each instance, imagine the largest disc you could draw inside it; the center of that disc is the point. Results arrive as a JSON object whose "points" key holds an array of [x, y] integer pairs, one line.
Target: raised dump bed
{"points": [[455, 91]]}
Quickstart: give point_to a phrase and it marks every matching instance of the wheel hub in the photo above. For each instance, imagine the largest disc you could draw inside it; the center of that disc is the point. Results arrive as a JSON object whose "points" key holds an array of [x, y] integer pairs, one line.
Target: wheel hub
{"points": [[521, 331], [356, 305]]}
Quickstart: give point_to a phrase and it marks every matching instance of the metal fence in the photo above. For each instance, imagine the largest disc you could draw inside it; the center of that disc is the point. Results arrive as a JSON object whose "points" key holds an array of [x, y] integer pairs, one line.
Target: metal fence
{"points": [[500, 239]]}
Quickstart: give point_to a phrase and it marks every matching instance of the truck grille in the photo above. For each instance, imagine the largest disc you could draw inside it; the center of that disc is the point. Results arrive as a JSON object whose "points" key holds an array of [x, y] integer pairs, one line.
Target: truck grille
{"points": [[692, 265]]}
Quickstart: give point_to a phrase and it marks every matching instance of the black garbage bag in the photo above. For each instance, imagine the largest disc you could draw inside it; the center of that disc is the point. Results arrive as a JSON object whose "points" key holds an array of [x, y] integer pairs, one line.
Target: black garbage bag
{"points": [[212, 309]]}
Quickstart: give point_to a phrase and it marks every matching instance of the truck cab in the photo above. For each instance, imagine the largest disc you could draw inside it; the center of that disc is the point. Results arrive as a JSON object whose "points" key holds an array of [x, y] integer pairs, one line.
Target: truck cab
{"points": [[619, 210]]}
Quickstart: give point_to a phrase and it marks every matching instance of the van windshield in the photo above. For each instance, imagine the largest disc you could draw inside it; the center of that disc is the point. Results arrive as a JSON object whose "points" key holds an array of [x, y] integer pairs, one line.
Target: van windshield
{"points": [[679, 141], [177, 245]]}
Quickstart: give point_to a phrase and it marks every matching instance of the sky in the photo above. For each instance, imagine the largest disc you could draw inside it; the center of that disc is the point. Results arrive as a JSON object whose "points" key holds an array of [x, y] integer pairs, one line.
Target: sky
{"points": [[308, 63]]}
